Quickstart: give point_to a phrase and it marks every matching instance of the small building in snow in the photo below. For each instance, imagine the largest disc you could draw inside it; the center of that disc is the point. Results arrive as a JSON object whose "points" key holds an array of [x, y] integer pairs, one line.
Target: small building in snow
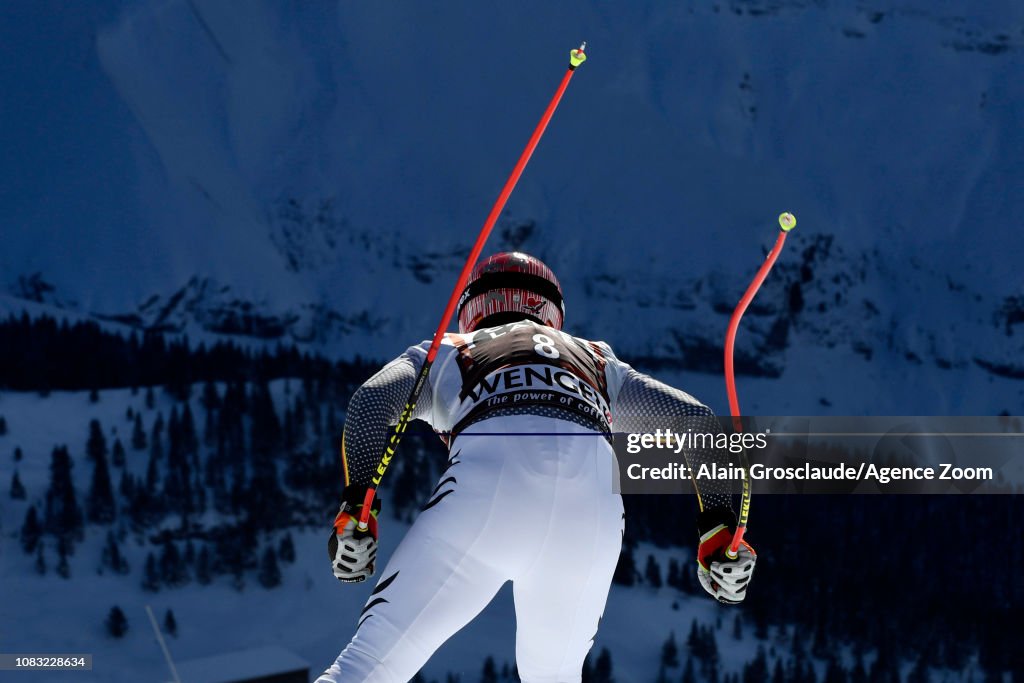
{"points": [[260, 665]]}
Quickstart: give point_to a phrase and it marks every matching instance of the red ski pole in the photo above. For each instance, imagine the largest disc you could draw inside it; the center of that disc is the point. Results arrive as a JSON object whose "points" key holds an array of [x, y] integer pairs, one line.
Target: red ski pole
{"points": [[787, 222], [576, 57]]}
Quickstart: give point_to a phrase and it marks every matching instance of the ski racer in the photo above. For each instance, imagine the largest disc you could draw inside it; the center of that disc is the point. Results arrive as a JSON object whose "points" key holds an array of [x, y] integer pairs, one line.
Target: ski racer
{"points": [[527, 495]]}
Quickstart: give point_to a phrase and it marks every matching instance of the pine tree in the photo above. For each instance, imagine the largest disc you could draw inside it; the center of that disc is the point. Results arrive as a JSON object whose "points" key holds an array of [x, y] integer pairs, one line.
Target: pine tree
{"points": [[150, 577], [117, 623], [112, 557], [150, 398], [674, 579], [761, 624], [203, 573], [835, 673], [778, 673], [689, 676], [210, 427], [919, 674], [189, 437], [94, 395], [126, 486], [96, 446], [270, 573], [129, 414], [820, 642], [156, 435], [210, 399], [17, 489], [286, 550], [63, 568], [264, 497], [688, 582], [670, 652], [117, 455], [100, 502], [603, 667], [3, 426], [31, 531], [652, 572], [18, 454], [704, 648], [587, 673], [177, 484], [63, 515], [693, 640], [152, 472], [171, 624], [40, 560], [299, 422], [490, 672], [756, 670], [288, 432], [885, 668], [172, 567], [858, 674], [139, 441]]}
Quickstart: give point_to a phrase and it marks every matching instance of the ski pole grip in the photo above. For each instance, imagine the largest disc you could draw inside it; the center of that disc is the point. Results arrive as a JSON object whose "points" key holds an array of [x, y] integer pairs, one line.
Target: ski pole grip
{"points": [[734, 548], [364, 513]]}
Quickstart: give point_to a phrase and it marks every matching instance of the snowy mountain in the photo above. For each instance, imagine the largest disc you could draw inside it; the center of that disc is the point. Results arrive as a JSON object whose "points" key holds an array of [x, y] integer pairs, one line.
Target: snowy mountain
{"points": [[316, 174]]}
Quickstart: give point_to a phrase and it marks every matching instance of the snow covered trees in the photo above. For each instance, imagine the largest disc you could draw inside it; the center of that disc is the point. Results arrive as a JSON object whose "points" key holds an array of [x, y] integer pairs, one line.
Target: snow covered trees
{"points": [[112, 558], [31, 531], [100, 502], [17, 488], [63, 515]]}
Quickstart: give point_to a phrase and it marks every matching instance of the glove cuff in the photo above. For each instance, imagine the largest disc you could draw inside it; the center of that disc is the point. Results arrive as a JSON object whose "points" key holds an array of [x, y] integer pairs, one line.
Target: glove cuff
{"points": [[352, 498], [715, 527], [351, 509], [708, 520]]}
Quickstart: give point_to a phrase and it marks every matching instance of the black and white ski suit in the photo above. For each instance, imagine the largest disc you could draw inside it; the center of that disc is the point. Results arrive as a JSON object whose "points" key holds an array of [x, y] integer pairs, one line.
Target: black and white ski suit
{"points": [[527, 496]]}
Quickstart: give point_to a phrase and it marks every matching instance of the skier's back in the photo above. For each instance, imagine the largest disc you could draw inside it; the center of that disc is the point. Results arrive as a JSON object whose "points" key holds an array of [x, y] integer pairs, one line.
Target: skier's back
{"points": [[527, 495]]}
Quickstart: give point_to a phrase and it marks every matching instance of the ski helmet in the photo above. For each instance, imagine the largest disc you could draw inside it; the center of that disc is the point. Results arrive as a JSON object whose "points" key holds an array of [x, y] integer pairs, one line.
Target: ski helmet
{"points": [[511, 286]]}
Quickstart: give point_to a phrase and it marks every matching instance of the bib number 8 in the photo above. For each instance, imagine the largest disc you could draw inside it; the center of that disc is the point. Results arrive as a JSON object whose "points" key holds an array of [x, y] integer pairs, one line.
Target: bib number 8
{"points": [[545, 346]]}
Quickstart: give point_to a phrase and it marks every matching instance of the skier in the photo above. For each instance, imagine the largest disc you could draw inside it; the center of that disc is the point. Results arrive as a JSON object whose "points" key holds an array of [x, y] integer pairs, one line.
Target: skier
{"points": [[527, 495]]}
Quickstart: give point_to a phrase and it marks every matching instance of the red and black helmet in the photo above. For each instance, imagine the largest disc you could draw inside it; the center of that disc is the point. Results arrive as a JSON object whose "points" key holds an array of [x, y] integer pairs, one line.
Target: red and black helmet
{"points": [[507, 287]]}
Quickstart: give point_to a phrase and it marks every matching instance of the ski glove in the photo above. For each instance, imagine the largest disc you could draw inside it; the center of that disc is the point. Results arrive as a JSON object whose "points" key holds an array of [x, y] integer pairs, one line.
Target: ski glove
{"points": [[353, 552], [724, 579]]}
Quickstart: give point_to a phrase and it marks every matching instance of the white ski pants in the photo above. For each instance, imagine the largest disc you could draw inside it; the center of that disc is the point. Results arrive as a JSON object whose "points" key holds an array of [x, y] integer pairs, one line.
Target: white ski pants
{"points": [[535, 509]]}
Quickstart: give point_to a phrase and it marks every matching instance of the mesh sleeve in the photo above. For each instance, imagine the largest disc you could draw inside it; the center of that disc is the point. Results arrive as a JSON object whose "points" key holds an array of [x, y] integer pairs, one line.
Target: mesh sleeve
{"points": [[644, 404], [374, 408]]}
